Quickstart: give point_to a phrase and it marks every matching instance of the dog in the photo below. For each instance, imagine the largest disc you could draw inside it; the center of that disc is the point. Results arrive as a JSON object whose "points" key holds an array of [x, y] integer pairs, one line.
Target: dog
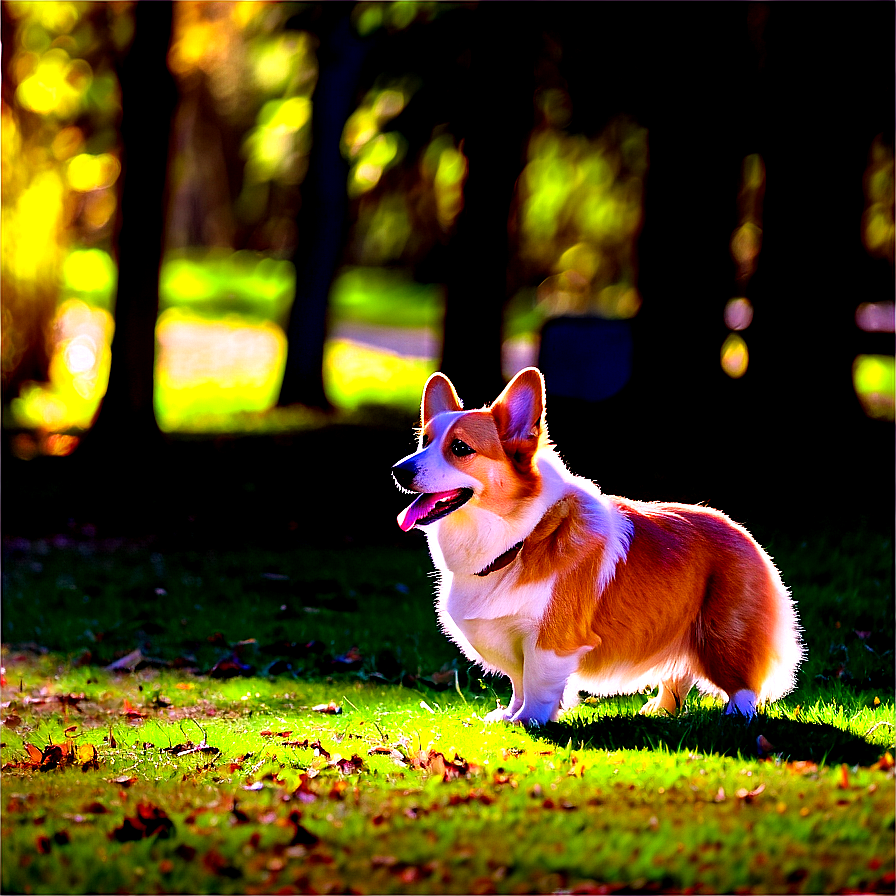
{"points": [[562, 588]]}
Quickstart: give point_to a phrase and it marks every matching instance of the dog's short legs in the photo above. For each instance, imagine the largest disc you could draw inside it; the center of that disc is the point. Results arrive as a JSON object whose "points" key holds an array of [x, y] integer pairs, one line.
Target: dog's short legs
{"points": [[545, 674], [670, 697], [506, 713], [743, 703]]}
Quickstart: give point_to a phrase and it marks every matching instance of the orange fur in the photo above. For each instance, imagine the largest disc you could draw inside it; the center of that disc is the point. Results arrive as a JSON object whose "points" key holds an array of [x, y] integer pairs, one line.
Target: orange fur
{"points": [[690, 576]]}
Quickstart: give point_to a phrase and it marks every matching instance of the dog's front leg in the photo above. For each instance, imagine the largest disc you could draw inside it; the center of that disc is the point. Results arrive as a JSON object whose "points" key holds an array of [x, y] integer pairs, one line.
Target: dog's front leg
{"points": [[545, 674], [506, 713]]}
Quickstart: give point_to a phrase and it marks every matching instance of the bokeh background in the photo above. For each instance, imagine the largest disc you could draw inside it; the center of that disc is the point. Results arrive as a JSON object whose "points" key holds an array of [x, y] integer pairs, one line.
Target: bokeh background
{"points": [[238, 236]]}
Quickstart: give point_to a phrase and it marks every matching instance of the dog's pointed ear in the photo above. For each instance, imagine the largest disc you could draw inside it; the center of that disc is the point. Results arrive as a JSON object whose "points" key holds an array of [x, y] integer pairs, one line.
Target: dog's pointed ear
{"points": [[519, 412], [438, 396]]}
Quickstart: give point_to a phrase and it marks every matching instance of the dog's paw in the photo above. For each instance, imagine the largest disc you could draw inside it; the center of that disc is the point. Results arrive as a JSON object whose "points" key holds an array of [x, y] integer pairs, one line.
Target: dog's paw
{"points": [[528, 723], [501, 714], [653, 707], [526, 720]]}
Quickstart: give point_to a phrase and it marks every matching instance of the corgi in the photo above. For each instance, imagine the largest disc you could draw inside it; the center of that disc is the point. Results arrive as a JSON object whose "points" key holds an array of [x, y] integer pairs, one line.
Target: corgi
{"points": [[544, 578]]}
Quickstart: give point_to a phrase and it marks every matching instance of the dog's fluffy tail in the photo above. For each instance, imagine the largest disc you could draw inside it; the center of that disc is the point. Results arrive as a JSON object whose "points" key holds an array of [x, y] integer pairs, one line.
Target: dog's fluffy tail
{"points": [[786, 643]]}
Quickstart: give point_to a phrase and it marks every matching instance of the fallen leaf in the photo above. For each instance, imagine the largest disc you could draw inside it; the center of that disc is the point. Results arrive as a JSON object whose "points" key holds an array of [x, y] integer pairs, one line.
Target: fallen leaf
{"points": [[802, 767], [749, 795], [395, 755], [149, 821], [131, 712], [303, 792], [301, 835], [95, 808], [439, 766], [843, 777], [231, 667], [218, 864], [87, 757], [349, 660], [348, 766], [127, 663]]}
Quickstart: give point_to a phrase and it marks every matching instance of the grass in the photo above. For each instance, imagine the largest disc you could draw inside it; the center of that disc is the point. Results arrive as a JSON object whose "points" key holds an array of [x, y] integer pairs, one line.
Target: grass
{"points": [[295, 722]]}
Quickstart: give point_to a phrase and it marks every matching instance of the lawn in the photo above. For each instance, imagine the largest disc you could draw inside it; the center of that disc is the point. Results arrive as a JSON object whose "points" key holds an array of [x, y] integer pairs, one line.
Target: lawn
{"points": [[251, 721]]}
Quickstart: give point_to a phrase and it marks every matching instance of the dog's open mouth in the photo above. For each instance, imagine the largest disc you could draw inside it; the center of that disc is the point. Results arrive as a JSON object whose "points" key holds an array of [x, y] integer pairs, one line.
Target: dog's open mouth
{"points": [[430, 507]]}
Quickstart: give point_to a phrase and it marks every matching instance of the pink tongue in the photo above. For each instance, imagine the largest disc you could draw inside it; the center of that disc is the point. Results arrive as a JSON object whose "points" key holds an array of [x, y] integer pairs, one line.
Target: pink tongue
{"points": [[421, 507]]}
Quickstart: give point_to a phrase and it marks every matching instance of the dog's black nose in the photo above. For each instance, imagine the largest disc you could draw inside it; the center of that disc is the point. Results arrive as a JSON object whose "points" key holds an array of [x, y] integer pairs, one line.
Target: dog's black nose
{"points": [[404, 472]]}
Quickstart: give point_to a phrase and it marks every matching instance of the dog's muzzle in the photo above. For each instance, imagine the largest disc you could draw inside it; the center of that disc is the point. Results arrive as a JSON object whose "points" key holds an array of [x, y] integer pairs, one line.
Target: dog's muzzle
{"points": [[404, 472]]}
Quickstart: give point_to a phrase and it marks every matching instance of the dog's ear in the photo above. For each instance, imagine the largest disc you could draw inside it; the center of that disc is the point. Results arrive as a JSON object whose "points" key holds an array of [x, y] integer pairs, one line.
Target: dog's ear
{"points": [[518, 413], [438, 396]]}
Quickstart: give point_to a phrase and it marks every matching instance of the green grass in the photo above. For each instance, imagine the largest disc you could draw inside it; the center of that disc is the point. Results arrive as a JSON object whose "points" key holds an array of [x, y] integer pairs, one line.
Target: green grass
{"points": [[253, 789]]}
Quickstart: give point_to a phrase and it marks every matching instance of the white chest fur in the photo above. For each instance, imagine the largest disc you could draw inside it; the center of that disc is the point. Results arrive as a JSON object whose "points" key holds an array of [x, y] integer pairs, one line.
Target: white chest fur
{"points": [[491, 617]]}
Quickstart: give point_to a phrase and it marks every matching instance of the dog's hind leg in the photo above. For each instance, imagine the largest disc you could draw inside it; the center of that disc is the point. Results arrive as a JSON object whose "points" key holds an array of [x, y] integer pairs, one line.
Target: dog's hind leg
{"points": [[743, 703], [670, 698]]}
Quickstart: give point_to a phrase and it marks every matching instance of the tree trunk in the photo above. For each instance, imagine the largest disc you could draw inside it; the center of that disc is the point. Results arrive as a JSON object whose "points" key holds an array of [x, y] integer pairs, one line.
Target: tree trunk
{"points": [[323, 216], [148, 97], [678, 406], [496, 121], [827, 93]]}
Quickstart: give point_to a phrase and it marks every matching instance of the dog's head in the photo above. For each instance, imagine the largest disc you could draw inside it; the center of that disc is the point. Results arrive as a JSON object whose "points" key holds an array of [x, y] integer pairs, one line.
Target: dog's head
{"points": [[480, 458]]}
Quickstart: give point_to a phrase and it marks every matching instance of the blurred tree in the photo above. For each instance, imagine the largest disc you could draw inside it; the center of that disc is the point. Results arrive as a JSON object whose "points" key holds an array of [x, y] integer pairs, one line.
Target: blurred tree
{"points": [[148, 98], [24, 332], [322, 220], [494, 118], [826, 90], [696, 124]]}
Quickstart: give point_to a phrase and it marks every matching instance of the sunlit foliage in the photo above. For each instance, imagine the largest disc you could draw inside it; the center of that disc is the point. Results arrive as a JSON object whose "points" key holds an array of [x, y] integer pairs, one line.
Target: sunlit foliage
{"points": [[395, 15], [580, 212], [243, 129], [878, 229], [60, 170], [874, 377], [369, 148], [403, 206]]}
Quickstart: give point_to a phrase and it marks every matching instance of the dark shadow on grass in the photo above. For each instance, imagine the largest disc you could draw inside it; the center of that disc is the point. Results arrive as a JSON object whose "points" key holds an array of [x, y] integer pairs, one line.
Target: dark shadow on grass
{"points": [[711, 732]]}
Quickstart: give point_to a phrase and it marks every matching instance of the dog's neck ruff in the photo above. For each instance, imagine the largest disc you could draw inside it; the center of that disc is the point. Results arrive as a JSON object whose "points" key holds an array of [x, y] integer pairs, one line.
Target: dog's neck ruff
{"points": [[503, 560], [548, 523]]}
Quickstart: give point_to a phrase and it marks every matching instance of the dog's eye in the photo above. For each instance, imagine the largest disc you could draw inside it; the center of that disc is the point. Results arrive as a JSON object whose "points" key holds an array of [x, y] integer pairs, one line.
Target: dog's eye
{"points": [[461, 449]]}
